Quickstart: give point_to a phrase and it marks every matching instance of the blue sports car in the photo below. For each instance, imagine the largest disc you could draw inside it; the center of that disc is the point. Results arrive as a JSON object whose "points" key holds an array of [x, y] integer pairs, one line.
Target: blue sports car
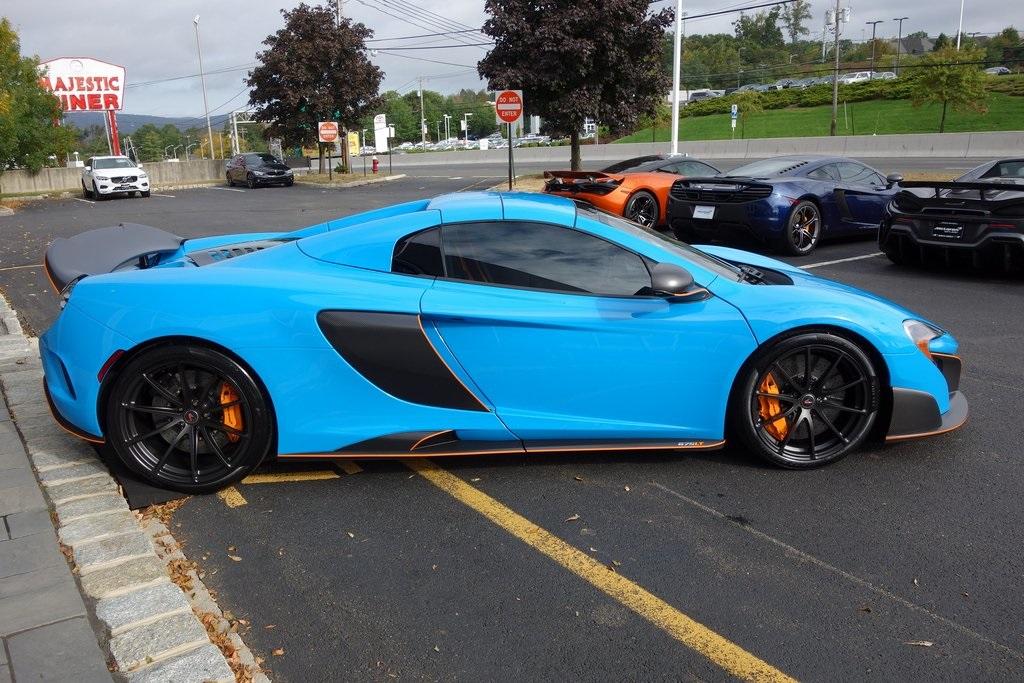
{"points": [[789, 203], [472, 324]]}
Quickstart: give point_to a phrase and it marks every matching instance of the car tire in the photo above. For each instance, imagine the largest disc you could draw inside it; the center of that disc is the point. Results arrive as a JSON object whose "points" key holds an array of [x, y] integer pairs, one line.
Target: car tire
{"points": [[684, 232], [800, 419], [144, 194], [250, 181], [96, 193], [803, 229], [642, 208], [231, 183], [87, 194], [895, 255], [289, 183], [188, 418]]}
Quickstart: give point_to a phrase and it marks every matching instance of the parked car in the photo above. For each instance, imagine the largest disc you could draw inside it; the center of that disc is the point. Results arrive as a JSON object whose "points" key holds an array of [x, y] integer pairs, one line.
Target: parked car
{"points": [[976, 221], [790, 203], [883, 76], [544, 325], [855, 77], [107, 176], [747, 88], [635, 188], [255, 169], [700, 95], [998, 71]]}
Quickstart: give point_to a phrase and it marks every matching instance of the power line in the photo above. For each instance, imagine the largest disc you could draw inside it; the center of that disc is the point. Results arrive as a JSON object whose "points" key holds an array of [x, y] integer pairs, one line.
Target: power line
{"points": [[424, 35], [424, 59], [431, 47], [424, 15]]}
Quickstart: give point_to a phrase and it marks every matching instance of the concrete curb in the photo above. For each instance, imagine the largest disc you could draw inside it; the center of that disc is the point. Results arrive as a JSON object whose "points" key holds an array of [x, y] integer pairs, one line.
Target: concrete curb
{"points": [[355, 183], [144, 622]]}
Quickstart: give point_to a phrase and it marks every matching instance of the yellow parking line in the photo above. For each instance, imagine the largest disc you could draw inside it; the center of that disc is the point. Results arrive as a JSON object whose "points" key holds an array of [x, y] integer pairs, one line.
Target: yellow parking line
{"points": [[691, 633], [231, 497], [349, 467], [279, 477]]}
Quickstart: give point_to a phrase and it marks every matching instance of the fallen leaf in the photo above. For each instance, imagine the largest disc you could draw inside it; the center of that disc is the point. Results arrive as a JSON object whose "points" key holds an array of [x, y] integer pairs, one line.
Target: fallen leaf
{"points": [[475, 479], [593, 549], [864, 608], [915, 582], [616, 563], [437, 649], [231, 548], [919, 643], [350, 534], [572, 519], [235, 558], [578, 478], [626, 488], [434, 567], [243, 622], [269, 626], [278, 652]]}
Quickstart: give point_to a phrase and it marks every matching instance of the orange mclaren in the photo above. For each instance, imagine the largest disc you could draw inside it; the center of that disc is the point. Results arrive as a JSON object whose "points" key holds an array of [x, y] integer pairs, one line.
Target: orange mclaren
{"points": [[636, 189]]}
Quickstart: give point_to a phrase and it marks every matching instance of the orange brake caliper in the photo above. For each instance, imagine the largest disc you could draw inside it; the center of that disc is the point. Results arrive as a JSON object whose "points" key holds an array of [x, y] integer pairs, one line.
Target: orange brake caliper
{"points": [[771, 409], [232, 416]]}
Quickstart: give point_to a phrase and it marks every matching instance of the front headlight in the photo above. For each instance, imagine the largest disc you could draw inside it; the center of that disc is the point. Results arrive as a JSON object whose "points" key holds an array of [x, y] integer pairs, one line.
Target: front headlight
{"points": [[143, 176], [103, 178], [921, 334]]}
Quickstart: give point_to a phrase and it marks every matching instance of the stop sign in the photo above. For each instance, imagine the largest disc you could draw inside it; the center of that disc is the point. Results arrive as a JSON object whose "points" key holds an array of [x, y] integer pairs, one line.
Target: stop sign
{"points": [[328, 131], [509, 105]]}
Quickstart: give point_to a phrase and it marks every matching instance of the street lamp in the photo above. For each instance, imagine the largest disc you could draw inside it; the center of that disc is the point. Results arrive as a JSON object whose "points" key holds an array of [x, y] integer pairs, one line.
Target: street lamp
{"points": [[166, 155], [187, 148], [175, 150], [874, 25], [202, 77], [677, 65], [899, 42], [960, 28], [465, 125], [447, 126]]}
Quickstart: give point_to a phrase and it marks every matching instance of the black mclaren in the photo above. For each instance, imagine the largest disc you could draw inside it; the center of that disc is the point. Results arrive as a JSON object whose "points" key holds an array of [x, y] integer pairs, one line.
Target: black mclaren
{"points": [[975, 221]]}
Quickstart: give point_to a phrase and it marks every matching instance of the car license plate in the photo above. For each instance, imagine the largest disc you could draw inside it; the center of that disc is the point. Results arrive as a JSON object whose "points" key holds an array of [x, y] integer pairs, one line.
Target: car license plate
{"points": [[705, 212], [948, 231], [122, 187]]}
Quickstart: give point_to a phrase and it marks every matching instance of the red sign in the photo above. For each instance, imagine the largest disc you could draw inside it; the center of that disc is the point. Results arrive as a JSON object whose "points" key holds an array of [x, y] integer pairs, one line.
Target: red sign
{"points": [[84, 84], [509, 105], [328, 131]]}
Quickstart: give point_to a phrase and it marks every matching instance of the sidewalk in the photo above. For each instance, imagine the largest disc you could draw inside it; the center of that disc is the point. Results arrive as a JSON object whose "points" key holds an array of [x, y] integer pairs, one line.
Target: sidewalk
{"points": [[44, 624]]}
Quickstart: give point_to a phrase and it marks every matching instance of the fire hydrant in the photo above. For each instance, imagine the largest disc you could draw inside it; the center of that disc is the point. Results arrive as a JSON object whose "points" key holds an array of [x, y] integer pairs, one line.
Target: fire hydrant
{"points": [[375, 164]]}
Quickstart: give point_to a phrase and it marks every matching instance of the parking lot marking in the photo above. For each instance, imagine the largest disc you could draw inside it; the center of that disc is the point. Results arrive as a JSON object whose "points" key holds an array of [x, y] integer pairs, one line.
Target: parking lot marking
{"points": [[87, 201], [226, 189], [349, 467], [163, 195], [232, 498], [841, 260], [279, 477], [863, 583], [686, 630], [30, 265]]}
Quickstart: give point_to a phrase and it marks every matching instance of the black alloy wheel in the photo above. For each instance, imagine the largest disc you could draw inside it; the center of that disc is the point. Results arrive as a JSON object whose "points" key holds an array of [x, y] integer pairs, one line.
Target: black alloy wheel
{"points": [[250, 181], [86, 193], [231, 183], [803, 229], [188, 418], [96, 193], [642, 208], [808, 401]]}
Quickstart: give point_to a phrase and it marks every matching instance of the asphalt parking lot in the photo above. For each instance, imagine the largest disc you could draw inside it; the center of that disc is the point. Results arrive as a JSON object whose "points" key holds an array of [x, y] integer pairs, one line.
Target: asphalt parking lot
{"points": [[902, 562]]}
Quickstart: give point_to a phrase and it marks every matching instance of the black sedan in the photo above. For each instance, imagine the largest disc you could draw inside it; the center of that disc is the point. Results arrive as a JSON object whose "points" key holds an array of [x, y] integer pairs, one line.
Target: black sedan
{"points": [[975, 221], [253, 169]]}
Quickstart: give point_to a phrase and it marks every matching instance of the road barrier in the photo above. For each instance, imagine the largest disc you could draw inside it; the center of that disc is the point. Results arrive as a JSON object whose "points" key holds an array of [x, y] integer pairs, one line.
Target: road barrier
{"points": [[160, 174], [954, 145]]}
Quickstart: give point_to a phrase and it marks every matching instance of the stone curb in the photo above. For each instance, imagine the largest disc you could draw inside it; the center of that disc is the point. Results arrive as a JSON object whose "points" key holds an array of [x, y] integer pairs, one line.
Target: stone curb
{"points": [[355, 183], [145, 622]]}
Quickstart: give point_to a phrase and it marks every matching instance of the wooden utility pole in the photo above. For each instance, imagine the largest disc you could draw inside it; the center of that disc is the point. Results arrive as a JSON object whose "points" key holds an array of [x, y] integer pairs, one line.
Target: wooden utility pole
{"points": [[835, 73]]}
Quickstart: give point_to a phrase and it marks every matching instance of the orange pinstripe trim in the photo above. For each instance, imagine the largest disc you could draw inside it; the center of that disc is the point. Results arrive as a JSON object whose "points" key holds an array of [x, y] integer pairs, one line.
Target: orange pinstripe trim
{"points": [[428, 437], [53, 285], [697, 445], [937, 432], [419, 321], [394, 456], [60, 422]]}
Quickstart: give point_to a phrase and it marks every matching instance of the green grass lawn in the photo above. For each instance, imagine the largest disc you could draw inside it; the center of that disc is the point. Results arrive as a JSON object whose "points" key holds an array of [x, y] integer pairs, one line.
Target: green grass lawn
{"points": [[1005, 112]]}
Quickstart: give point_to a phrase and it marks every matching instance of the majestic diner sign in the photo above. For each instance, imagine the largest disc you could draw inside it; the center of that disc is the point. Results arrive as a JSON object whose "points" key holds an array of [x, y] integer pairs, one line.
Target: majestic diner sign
{"points": [[84, 84]]}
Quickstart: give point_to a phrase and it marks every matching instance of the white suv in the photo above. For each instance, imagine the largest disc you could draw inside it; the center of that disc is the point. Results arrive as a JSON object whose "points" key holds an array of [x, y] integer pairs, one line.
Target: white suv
{"points": [[855, 77], [106, 176]]}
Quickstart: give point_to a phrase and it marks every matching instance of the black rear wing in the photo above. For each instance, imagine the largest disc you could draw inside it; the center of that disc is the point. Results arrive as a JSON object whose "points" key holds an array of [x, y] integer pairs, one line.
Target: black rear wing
{"points": [[105, 250], [980, 187], [717, 180]]}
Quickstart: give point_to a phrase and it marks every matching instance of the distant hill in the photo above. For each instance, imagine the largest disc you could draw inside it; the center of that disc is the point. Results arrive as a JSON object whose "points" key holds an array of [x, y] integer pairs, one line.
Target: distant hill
{"points": [[129, 123]]}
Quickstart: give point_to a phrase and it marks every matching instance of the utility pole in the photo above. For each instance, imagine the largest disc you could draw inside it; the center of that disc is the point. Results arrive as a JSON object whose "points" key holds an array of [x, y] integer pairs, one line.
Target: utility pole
{"points": [[465, 125], [423, 117], [899, 43], [447, 126], [960, 28], [202, 77], [835, 73], [874, 25], [677, 59], [341, 12]]}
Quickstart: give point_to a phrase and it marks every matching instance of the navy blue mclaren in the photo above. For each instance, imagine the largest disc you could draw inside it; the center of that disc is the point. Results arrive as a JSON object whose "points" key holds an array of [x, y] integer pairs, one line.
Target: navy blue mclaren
{"points": [[789, 203]]}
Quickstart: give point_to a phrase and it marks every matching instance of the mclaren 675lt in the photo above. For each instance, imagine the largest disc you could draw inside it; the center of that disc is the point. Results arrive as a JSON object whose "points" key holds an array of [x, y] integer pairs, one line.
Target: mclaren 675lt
{"points": [[472, 324], [637, 189]]}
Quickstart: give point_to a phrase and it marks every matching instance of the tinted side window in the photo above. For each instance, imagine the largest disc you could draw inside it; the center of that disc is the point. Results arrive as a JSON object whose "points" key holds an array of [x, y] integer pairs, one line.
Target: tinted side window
{"points": [[419, 254], [695, 168], [541, 256], [827, 172], [855, 173]]}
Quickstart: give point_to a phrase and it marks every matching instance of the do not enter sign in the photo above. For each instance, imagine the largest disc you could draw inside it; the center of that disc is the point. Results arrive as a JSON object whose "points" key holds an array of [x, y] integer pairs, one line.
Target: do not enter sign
{"points": [[509, 106], [328, 131]]}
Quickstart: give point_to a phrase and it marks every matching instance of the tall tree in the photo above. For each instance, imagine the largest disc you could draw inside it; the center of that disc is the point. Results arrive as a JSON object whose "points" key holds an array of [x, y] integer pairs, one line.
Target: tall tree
{"points": [[940, 78], [793, 17], [314, 69], [573, 65], [29, 115]]}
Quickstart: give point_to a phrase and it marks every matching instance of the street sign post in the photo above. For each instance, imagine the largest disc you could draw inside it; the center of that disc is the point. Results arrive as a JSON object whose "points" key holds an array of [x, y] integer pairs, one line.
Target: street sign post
{"points": [[327, 133], [508, 109], [732, 120]]}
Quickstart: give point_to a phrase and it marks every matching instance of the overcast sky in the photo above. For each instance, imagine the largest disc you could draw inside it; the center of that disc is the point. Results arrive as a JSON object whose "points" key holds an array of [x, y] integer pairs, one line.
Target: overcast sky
{"points": [[155, 40]]}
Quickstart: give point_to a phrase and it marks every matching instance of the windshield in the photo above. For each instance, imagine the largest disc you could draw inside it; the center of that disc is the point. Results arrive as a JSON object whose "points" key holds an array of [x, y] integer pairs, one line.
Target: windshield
{"points": [[765, 168], [115, 162], [650, 163], [715, 265], [263, 158]]}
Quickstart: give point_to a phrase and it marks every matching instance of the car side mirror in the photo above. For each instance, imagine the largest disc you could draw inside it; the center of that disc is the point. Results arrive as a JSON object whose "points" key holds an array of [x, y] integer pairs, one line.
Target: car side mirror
{"points": [[672, 282], [88, 168], [138, 165], [893, 179]]}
